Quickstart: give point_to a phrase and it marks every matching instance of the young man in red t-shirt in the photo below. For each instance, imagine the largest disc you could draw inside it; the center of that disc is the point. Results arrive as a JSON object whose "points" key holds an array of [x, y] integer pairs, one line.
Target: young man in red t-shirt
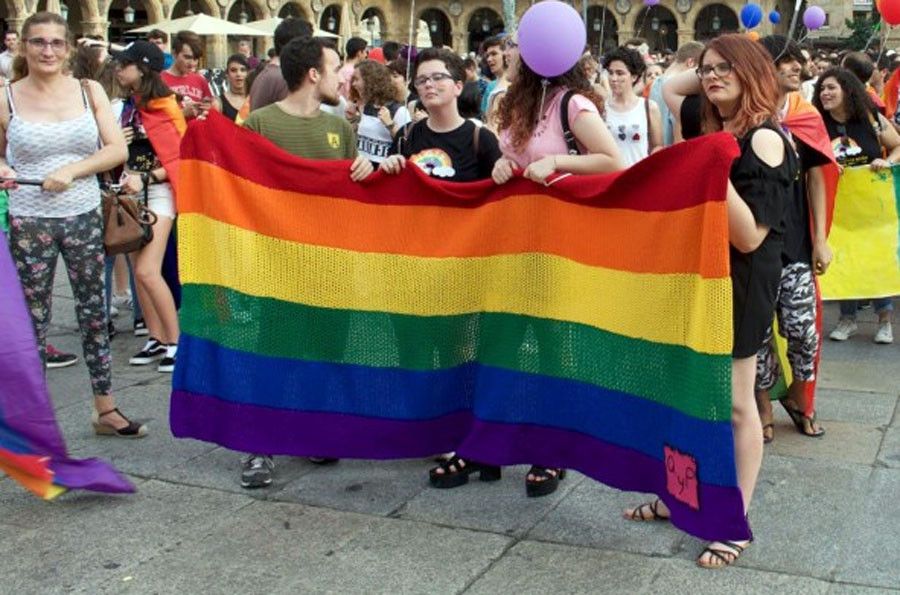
{"points": [[182, 77]]}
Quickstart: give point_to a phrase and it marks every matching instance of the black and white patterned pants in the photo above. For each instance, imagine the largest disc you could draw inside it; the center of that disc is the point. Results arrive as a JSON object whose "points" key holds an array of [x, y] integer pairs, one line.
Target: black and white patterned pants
{"points": [[795, 308]]}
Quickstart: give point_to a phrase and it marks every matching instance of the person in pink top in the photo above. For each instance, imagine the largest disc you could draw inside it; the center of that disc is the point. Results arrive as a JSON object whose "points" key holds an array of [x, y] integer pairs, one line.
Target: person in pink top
{"points": [[356, 52], [182, 77], [539, 145], [534, 138]]}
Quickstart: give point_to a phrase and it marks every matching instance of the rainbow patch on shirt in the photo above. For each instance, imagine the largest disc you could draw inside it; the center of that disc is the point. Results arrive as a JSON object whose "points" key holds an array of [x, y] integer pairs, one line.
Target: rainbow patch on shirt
{"points": [[434, 162]]}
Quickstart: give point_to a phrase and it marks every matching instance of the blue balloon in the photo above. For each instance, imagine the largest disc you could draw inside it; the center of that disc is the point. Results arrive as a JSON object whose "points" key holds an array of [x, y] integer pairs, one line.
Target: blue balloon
{"points": [[774, 17], [751, 15]]}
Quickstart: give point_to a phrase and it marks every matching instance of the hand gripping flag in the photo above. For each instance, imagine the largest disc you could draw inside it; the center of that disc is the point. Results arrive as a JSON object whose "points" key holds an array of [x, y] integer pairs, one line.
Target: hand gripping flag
{"points": [[586, 325]]}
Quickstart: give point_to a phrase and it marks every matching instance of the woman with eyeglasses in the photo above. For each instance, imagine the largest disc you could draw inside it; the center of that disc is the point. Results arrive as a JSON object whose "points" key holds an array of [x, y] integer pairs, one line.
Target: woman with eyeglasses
{"points": [[739, 94], [380, 114], [52, 127], [536, 136], [861, 137]]}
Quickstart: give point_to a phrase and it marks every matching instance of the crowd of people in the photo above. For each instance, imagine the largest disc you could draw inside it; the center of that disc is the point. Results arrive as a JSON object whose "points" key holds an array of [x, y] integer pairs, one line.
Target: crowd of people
{"points": [[489, 116]]}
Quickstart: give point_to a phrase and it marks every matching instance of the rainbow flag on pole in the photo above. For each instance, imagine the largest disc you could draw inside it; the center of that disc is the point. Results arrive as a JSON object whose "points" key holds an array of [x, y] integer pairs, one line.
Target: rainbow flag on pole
{"points": [[32, 450], [586, 325]]}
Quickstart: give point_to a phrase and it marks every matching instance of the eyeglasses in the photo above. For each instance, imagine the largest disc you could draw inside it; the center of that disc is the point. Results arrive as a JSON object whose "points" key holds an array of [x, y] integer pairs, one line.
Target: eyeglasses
{"points": [[722, 69], [437, 77], [57, 45]]}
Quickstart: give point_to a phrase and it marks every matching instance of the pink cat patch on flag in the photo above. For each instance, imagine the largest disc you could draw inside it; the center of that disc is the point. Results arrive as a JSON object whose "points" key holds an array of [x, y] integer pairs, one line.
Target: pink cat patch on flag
{"points": [[681, 477]]}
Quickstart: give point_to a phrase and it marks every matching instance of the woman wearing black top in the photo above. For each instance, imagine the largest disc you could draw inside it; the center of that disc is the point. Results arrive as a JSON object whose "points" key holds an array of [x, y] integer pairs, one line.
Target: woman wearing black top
{"points": [[236, 94], [739, 95], [860, 136]]}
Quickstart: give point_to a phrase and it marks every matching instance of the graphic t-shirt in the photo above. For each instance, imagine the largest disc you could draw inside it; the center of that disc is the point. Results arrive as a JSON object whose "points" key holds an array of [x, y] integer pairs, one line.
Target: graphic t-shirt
{"points": [[322, 136], [190, 85], [374, 138], [854, 142], [449, 155]]}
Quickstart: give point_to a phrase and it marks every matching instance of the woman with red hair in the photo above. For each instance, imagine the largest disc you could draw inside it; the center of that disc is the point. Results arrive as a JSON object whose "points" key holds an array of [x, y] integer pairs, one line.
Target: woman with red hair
{"points": [[739, 94]]}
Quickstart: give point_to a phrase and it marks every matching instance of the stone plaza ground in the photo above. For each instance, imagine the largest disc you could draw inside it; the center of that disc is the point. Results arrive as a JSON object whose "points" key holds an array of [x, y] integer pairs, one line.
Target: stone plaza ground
{"points": [[826, 514]]}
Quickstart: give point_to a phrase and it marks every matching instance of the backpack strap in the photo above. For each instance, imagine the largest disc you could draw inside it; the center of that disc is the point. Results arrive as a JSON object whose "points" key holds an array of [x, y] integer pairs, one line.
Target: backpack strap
{"points": [[568, 135], [403, 136]]}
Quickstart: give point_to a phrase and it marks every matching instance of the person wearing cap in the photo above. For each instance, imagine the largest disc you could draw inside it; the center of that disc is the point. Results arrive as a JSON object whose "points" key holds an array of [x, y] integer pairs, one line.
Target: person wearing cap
{"points": [[155, 124], [805, 252], [50, 125]]}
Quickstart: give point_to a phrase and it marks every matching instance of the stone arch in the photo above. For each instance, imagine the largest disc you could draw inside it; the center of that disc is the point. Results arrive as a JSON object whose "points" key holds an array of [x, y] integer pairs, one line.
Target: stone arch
{"points": [[180, 8], [658, 25], [256, 10], [602, 29], [378, 23], [147, 12], [439, 26], [481, 22], [714, 19], [295, 9], [330, 18]]}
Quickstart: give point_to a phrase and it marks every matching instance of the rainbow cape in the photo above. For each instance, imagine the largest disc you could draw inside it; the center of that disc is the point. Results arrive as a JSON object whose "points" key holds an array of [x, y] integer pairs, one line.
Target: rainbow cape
{"points": [[865, 236], [32, 450], [586, 325]]}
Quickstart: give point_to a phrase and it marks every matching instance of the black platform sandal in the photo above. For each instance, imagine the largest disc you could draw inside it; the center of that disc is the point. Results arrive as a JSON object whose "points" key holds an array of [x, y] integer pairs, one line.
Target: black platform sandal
{"points": [[727, 554], [132, 430], [545, 482], [456, 472], [639, 514]]}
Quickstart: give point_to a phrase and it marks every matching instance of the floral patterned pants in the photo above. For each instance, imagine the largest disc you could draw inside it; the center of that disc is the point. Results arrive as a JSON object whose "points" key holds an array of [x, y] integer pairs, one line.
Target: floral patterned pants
{"points": [[36, 244]]}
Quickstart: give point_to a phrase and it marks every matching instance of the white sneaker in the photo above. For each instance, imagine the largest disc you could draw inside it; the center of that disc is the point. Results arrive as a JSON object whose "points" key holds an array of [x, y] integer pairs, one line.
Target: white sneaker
{"points": [[113, 312], [122, 300], [885, 334], [845, 329]]}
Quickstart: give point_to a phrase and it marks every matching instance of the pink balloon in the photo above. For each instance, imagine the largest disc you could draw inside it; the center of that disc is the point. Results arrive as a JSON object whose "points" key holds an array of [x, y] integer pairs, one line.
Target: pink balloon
{"points": [[814, 17], [551, 38]]}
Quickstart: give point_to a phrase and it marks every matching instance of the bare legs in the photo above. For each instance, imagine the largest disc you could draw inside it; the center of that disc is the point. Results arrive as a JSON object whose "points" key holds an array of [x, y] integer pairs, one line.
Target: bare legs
{"points": [[155, 297]]}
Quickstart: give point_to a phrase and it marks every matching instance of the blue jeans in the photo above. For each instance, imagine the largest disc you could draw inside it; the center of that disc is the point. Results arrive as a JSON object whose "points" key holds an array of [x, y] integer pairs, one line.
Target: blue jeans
{"points": [[850, 307], [136, 304]]}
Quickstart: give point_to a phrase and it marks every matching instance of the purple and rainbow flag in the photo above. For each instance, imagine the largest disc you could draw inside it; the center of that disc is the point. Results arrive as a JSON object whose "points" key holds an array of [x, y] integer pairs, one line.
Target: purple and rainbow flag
{"points": [[585, 325], [32, 450]]}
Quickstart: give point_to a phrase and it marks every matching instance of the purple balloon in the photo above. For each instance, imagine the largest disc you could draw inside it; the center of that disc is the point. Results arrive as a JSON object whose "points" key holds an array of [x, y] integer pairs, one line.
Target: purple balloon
{"points": [[651, 2], [813, 17], [551, 38]]}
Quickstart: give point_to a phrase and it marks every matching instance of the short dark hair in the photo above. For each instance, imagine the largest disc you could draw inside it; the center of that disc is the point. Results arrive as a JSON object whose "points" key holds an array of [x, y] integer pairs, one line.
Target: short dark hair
{"points": [[469, 101], [470, 64], [450, 59], [190, 39], [354, 46], [240, 59], [630, 58], [298, 57], [158, 34], [10, 32], [391, 50], [290, 29], [492, 41], [782, 49], [860, 64]]}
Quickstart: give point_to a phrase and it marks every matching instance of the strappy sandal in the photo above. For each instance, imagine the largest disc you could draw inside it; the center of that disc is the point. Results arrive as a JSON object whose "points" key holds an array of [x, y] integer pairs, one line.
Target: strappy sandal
{"points": [[639, 514], [803, 423], [545, 481], [132, 430], [728, 554], [456, 472]]}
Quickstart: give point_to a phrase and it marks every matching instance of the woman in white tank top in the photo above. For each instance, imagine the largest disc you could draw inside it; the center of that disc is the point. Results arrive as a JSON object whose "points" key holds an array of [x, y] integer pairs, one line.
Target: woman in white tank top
{"points": [[50, 133], [634, 122]]}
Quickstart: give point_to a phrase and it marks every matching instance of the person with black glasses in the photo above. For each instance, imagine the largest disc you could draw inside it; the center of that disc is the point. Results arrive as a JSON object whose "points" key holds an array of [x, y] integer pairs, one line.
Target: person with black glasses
{"points": [[445, 145], [861, 136]]}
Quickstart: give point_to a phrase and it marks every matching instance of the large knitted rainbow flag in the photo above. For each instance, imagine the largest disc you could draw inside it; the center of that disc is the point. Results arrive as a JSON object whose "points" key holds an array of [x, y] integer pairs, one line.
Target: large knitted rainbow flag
{"points": [[586, 325]]}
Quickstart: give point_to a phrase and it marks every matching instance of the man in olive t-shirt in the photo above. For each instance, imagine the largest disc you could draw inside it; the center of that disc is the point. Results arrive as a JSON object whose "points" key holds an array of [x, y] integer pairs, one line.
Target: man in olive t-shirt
{"points": [[297, 125]]}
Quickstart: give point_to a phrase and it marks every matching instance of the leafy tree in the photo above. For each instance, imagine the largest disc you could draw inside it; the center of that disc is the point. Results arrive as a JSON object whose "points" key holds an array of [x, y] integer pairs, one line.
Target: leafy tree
{"points": [[861, 30]]}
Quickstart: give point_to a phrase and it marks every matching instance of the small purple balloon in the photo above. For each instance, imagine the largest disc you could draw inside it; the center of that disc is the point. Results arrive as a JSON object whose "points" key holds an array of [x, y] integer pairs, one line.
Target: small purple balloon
{"points": [[813, 17], [651, 2], [551, 38]]}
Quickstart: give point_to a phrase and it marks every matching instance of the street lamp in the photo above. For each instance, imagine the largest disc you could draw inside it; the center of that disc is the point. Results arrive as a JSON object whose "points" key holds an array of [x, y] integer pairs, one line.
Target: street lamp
{"points": [[485, 25], [716, 23], [597, 24], [654, 23], [370, 25], [331, 23], [243, 17], [128, 13], [433, 25], [189, 12]]}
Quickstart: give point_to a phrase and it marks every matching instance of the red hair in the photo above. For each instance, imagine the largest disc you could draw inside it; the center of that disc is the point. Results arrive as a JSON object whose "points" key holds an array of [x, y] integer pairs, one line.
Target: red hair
{"points": [[752, 66]]}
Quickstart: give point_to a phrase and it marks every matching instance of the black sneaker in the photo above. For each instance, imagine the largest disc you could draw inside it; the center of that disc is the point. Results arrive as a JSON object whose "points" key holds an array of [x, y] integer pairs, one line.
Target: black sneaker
{"points": [[111, 329], [57, 359], [152, 351], [257, 471], [140, 328], [166, 364]]}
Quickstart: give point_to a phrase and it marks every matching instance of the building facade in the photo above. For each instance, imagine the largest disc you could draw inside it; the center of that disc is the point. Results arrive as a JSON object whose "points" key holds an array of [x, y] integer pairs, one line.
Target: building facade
{"points": [[459, 24]]}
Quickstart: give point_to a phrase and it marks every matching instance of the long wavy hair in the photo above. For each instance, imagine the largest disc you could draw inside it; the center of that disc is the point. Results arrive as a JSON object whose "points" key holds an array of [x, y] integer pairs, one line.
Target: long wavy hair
{"points": [[752, 66], [20, 65], [518, 109], [379, 88], [857, 103], [86, 64]]}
